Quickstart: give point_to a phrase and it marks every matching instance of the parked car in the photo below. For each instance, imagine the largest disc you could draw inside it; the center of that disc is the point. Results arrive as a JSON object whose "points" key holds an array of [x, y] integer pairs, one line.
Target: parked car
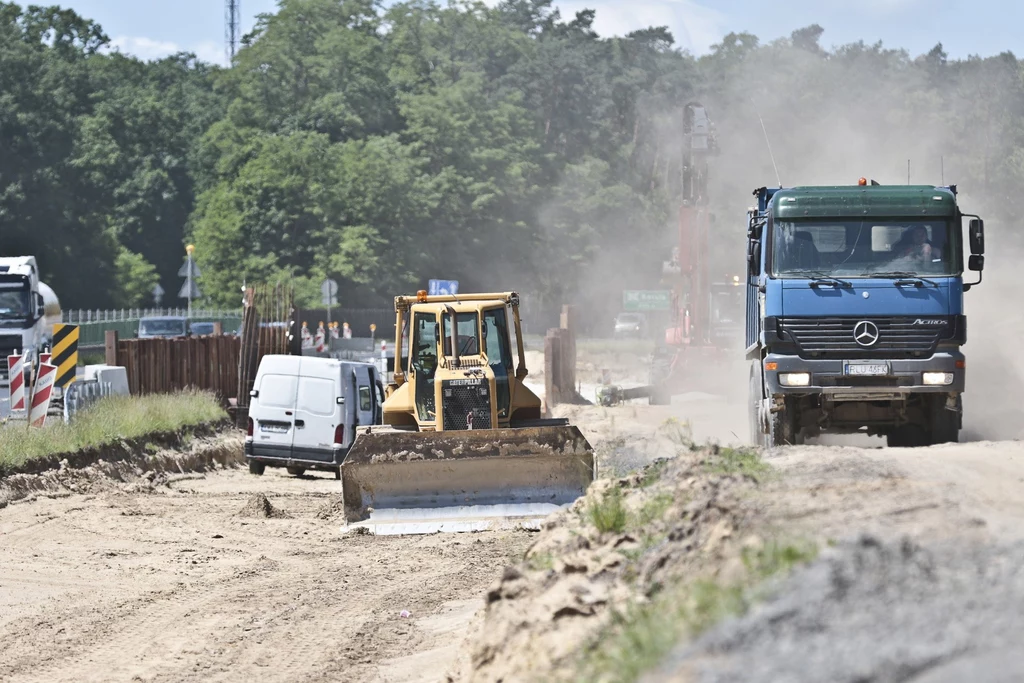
{"points": [[163, 327], [304, 410], [630, 325], [202, 329]]}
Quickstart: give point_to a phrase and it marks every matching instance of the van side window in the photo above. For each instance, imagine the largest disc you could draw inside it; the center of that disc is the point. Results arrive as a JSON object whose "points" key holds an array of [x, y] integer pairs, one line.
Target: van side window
{"points": [[316, 396], [364, 399], [277, 391]]}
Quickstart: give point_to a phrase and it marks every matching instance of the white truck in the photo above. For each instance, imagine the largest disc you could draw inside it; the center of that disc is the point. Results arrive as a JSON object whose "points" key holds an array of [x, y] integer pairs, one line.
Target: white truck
{"points": [[28, 310]]}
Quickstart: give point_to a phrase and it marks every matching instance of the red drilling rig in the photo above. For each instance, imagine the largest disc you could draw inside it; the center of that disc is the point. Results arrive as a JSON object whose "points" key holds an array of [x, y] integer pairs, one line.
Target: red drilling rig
{"points": [[706, 314]]}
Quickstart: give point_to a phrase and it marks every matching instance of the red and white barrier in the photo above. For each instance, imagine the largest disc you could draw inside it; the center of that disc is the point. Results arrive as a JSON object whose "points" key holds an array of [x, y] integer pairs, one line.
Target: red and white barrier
{"points": [[16, 365], [44, 357], [41, 394]]}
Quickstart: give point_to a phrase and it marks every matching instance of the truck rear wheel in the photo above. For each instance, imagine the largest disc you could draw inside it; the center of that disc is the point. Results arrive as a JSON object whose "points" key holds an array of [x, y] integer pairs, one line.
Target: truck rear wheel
{"points": [[256, 468]]}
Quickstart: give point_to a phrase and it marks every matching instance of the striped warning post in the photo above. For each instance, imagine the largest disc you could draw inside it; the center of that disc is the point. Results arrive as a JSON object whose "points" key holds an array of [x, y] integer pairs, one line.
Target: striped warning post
{"points": [[17, 375], [65, 353], [44, 357], [41, 394]]}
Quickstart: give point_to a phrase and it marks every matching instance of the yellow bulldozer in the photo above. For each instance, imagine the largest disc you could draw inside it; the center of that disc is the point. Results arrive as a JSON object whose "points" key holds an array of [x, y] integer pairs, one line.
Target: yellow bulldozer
{"points": [[463, 446]]}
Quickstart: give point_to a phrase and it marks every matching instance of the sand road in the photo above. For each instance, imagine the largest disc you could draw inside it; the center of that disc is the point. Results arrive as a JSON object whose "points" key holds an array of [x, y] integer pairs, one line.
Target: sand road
{"points": [[174, 585]]}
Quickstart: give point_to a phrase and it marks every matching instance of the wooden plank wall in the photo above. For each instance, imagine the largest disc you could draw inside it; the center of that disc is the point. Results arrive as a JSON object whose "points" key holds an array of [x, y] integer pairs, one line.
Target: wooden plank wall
{"points": [[160, 366]]}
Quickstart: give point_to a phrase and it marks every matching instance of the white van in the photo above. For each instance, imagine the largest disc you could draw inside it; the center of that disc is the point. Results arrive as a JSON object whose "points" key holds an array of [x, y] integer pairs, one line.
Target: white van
{"points": [[304, 410]]}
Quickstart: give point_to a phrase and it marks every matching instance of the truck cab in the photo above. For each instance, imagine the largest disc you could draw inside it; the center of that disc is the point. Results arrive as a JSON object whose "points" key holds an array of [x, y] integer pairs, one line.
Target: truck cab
{"points": [[28, 310], [854, 312]]}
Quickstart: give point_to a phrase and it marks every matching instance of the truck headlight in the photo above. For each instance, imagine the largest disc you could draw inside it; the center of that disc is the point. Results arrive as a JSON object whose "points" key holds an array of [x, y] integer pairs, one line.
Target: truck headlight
{"points": [[938, 378], [794, 379]]}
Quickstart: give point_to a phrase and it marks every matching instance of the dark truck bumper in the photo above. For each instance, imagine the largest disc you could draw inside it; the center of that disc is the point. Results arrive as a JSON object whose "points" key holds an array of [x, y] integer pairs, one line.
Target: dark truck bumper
{"points": [[328, 460], [829, 379]]}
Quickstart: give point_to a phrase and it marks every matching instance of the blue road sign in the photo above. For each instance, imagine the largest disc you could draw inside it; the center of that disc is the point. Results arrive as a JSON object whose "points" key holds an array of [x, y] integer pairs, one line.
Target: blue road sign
{"points": [[436, 287]]}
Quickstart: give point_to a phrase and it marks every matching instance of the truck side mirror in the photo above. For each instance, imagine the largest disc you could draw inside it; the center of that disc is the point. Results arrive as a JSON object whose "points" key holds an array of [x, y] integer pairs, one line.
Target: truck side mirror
{"points": [[754, 258], [40, 305], [976, 262], [976, 229]]}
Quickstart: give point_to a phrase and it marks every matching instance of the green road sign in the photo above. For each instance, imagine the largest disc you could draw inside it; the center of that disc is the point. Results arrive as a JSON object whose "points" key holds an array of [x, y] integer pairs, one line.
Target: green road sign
{"points": [[646, 300]]}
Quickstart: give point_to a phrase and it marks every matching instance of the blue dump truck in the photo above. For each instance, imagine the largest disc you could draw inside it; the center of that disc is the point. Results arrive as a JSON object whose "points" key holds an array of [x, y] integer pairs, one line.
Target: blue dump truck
{"points": [[855, 320]]}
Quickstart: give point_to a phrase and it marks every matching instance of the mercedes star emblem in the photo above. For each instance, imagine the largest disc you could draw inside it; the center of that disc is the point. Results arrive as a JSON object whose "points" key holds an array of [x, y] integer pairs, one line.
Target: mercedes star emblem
{"points": [[865, 333]]}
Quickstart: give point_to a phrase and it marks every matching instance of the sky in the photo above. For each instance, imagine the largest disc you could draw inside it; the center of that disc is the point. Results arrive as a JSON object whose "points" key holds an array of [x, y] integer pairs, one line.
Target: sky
{"points": [[154, 28]]}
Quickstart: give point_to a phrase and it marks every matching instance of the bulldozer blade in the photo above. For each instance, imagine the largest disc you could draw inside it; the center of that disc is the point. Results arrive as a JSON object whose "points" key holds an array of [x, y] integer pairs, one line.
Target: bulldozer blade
{"points": [[402, 482]]}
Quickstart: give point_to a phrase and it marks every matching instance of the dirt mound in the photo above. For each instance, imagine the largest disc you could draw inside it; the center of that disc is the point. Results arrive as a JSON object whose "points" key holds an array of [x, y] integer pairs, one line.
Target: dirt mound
{"points": [[132, 472], [332, 509], [259, 506], [612, 550]]}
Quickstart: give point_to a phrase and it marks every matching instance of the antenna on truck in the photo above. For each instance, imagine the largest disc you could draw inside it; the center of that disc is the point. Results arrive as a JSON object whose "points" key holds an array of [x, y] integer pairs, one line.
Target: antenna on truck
{"points": [[767, 142]]}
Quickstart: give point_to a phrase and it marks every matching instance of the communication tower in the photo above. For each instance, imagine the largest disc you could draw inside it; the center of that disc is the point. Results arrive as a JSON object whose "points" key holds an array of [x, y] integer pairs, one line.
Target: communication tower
{"points": [[232, 28]]}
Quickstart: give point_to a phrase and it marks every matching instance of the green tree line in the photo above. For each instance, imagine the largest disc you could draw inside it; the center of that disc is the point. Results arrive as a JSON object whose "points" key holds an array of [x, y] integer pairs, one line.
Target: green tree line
{"points": [[504, 146]]}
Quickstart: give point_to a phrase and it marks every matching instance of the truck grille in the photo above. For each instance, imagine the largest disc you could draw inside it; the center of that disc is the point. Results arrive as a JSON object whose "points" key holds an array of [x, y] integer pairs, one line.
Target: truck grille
{"points": [[464, 396], [901, 337], [8, 345]]}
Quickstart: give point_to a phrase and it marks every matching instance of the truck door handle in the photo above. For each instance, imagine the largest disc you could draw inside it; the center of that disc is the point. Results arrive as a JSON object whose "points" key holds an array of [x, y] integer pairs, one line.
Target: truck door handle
{"points": [[300, 423]]}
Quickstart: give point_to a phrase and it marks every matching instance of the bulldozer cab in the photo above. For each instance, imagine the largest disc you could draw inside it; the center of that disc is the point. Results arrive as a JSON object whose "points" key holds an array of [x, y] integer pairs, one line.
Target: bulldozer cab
{"points": [[460, 361]]}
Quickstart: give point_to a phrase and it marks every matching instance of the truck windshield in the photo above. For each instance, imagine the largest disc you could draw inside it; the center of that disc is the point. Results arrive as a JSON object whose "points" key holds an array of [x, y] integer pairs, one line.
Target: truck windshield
{"points": [[864, 248], [15, 303], [467, 330]]}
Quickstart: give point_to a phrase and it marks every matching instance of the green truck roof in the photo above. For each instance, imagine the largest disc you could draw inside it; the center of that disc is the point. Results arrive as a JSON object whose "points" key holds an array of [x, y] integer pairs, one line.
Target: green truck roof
{"points": [[839, 201]]}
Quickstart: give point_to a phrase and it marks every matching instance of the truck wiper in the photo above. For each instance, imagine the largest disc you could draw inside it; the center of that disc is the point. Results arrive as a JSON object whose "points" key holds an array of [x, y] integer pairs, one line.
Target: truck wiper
{"points": [[820, 277], [904, 277]]}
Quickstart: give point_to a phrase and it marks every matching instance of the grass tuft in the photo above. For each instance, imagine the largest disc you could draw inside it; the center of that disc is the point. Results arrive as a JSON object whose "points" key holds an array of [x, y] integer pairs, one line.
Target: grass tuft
{"points": [[742, 461], [608, 514], [107, 421], [639, 638], [653, 509]]}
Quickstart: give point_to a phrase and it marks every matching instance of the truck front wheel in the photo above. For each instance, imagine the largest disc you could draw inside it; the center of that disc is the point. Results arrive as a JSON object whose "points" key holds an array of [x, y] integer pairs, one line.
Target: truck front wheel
{"points": [[943, 425], [754, 406]]}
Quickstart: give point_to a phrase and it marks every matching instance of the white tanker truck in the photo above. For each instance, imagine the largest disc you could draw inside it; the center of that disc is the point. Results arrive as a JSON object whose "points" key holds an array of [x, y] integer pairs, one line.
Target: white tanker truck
{"points": [[28, 310]]}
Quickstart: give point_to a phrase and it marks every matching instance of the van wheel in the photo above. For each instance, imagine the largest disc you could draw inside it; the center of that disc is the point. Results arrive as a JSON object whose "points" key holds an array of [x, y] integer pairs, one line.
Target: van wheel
{"points": [[296, 471], [256, 468]]}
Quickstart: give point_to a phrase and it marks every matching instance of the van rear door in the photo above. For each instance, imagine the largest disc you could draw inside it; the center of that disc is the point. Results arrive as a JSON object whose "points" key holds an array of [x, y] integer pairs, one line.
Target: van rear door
{"points": [[275, 414], [364, 395], [315, 409]]}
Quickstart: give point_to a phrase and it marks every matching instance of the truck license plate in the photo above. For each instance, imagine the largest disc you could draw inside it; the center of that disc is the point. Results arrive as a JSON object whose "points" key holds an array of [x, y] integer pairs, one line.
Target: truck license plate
{"points": [[867, 369]]}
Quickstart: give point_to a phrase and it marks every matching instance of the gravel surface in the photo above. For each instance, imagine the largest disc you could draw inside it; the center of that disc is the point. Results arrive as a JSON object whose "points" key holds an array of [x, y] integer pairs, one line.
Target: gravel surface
{"points": [[875, 611]]}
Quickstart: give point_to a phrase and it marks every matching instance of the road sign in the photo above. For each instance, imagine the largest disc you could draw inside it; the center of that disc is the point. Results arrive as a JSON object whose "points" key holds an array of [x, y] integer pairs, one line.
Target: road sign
{"points": [[65, 354], [329, 293], [646, 300], [185, 293], [158, 293], [190, 271], [439, 287], [189, 264]]}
